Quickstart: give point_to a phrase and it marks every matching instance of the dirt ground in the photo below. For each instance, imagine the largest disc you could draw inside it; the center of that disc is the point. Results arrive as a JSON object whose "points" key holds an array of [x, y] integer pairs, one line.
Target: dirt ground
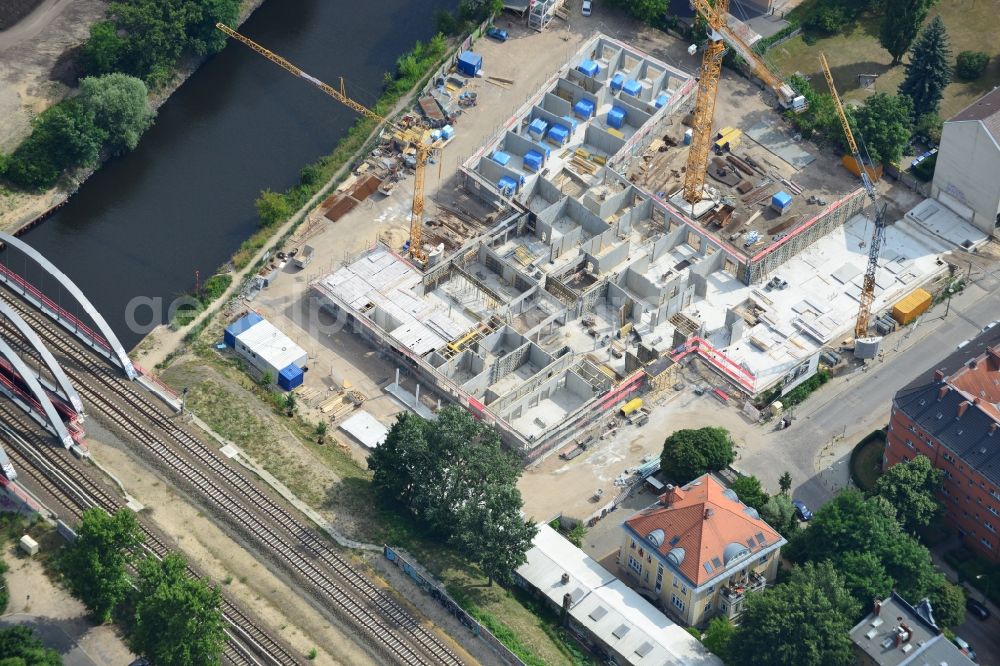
{"points": [[60, 621], [34, 76]]}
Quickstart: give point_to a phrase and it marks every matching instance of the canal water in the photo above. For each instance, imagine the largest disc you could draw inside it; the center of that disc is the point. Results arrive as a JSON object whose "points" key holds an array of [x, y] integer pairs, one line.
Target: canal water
{"points": [[183, 201]]}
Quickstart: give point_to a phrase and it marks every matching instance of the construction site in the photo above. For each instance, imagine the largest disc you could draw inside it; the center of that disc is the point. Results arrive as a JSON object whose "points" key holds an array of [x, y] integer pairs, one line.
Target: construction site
{"points": [[567, 268]]}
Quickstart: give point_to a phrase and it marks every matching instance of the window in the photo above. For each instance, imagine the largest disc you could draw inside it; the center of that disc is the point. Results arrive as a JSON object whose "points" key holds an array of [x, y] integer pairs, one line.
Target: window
{"points": [[633, 544], [986, 543], [992, 509], [948, 457], [909, 443], [988, 525], [675, 581], [708, 606], [722, 606], [634, 564], [944, 491], [763, 558], [677, 602], [994, 494]]}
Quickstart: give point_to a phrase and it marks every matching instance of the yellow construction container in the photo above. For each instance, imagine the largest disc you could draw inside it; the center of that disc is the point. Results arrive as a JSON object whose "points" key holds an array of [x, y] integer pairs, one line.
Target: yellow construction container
{"points": [[728, 141], [911, 306], [631, 406], [874, 172]]}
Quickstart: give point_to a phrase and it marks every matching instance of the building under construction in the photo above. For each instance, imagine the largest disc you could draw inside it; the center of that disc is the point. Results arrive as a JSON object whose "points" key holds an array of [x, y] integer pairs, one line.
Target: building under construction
{"points": [[586, 287]]}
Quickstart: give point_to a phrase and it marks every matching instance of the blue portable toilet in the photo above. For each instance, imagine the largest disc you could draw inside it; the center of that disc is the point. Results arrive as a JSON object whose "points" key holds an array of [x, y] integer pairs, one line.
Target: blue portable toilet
{"points": [[239, 326], [469, 63], [589, 67], [533, 160], [584, 108], [632, 87], [781, 201], [290, 376], [617, 81], [616, 117], [538, 128]]}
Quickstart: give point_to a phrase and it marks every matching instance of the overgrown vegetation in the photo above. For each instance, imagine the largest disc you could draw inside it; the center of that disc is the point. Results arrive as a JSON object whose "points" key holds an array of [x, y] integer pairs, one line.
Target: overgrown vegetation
{"points": [[866, 460], [798, 394], [201, 299], [168, 617], [687, 453], [20, 647]]}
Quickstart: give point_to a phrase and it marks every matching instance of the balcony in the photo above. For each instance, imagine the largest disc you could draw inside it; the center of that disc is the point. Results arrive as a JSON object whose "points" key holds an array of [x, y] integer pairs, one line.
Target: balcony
{"points": [[734, 593]]}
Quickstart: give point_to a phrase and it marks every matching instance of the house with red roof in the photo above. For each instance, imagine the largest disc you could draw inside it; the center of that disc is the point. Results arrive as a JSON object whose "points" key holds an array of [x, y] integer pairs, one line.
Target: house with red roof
{"points": [[700, 551]]}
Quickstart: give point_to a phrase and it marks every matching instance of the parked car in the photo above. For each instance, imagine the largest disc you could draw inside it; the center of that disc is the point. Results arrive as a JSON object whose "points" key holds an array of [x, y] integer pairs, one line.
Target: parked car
{"points": [[964, 647], [498, 34], [699, 391], [978, 610], [587, 7], [802, 511]]}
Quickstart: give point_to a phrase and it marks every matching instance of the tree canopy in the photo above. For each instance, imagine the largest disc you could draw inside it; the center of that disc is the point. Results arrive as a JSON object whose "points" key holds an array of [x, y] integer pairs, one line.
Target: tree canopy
{"points": [[909, 487], [647, 11], [120, 106], [95, 565], [803, 622], [455, 478], [929, 71], [779, 512], [970, 65], [901, 21], [750, 492], [884, 124], [785, 482], [178, 621], [687, 454], [718, 638], [20, 647]]}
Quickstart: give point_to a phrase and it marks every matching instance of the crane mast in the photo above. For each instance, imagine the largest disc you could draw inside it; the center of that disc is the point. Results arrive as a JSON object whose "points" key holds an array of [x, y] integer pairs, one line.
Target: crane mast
{"points": [[878, 233], [407, 134], [704, 106]]}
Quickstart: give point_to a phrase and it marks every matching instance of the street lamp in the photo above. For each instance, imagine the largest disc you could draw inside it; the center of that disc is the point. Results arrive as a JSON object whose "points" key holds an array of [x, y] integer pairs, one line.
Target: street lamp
{"points": [[951, 290], [986, 591]]}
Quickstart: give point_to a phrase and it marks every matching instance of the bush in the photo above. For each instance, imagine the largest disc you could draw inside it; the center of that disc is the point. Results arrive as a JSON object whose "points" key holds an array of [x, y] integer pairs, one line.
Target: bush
{"points": [[829, 20], [929, 127], [925, 170], [971, 64]]}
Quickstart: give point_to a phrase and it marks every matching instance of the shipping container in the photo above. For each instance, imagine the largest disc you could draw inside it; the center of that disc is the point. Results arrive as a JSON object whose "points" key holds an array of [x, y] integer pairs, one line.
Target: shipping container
{"points": [[631, 406], [911, 306]]}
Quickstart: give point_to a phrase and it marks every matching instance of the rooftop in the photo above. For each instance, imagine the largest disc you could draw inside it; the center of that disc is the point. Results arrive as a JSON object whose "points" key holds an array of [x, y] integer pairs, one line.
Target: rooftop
{"points": [[985, 109], [897, 634], [608, 608], [703, 529]]}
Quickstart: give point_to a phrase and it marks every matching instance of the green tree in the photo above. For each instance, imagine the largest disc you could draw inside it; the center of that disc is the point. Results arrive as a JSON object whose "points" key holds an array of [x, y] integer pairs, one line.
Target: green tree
{"points": [[20, 647], [103, 51], [290, 403], [779, 513], [948, 603], [847, 523], [96, 564], [719, 638], [901, 22], [178, 621], [493, 534], [803, 622], [884, 124], [971, 64], [687, 454], [750, 492], [121, 108], [272, 208], [647, 11], [929, 126], [62, 137], [929, 71], [785, 482], [445, 22], [864, 575], [909, 487]]}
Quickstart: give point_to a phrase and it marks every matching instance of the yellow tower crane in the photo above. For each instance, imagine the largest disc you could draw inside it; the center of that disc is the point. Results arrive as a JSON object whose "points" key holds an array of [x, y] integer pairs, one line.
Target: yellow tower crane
{"points": [[410, 135], [878, 233], [720, 35]]}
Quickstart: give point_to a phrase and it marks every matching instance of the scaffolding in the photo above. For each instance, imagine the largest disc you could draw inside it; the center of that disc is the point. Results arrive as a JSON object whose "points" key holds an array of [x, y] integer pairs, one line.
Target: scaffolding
{"points": [[542, 13]]}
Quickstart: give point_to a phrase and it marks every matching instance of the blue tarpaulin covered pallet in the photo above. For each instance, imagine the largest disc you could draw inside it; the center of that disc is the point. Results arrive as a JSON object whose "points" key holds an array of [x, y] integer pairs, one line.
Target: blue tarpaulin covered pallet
{"points": [[559, 134], [616, 117], [507, 185], [584, 108], [617, 81], [538, 128], [589, 67], [632, 87], [501, 157], [533, 160]]}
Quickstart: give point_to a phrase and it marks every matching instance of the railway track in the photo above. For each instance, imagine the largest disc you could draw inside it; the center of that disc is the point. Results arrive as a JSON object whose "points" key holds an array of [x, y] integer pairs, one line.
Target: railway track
{"points": [[248, 644], [297, 546]]}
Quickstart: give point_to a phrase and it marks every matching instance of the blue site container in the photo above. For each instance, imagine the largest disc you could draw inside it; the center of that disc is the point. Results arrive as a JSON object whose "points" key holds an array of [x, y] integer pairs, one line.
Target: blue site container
{"points": [[559, 134], [781, 201], [501, 157], [632, 87], [469, 63], [617, 81], [240, 326], [507, 185], [589, 67], [662, 99], [447, 132], [533, 160], [584, 108], [290, 377], [616, 117], [538, 128]]}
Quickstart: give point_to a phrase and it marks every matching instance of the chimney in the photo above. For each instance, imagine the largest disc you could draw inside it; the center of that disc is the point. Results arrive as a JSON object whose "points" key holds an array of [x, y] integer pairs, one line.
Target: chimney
{"points": [[993, 428], [962, 407], [993, 354], [939, 375], [973, 363], [878, 607], [565, 579], [708, 513], [943, 391], [567, 602]]}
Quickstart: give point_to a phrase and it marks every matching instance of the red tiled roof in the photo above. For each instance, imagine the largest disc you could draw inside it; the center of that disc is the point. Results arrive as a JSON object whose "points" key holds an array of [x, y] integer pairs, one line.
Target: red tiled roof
{"points": [[979, 380], [710, 526]]}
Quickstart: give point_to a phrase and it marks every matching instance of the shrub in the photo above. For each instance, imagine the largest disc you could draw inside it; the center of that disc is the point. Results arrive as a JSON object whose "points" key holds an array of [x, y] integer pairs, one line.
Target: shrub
{"points": [[829, 20], [971, 64]]}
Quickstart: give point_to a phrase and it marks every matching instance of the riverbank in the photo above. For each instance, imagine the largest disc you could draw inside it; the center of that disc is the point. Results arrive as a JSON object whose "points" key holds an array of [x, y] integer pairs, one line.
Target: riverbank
{"points": [[21, 211]]}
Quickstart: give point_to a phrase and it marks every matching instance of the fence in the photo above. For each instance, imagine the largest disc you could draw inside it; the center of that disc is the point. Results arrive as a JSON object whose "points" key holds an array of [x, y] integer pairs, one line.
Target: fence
{"points": [[438, 593]]}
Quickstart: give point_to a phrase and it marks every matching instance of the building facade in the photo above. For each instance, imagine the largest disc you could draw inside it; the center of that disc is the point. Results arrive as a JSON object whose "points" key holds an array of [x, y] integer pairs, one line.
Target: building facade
{"points": [[699, 551], [953, 418], [965, 178]]}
